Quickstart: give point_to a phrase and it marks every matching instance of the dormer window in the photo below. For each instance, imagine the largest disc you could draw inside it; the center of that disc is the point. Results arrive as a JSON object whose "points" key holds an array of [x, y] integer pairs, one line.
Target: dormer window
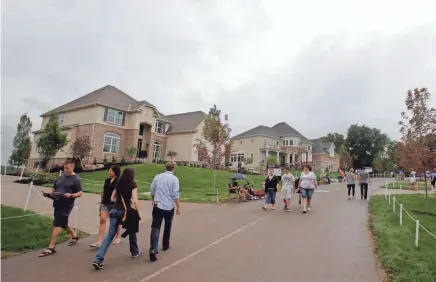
{"points": [[159, 128], [61, 119]]}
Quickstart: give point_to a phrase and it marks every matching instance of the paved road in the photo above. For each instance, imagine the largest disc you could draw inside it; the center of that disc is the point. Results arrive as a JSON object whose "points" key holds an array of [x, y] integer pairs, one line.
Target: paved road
{"points": [[230, 242]]}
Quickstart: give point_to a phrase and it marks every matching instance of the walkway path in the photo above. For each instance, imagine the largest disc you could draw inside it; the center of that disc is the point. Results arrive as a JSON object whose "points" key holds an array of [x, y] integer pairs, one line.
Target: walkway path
{"points": [[228, 242]]}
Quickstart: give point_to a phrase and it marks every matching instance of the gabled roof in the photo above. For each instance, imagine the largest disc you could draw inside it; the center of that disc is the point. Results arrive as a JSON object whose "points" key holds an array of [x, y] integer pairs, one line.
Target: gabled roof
{"points": [[107, 96], [279, 130], [185, 121], [320, 147]]}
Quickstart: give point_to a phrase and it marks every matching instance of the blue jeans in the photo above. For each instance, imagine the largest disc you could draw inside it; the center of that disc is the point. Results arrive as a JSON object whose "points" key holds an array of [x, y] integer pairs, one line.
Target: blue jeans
{"points": [[307, 193], [270, 197], [160, 215], [114, 221]]}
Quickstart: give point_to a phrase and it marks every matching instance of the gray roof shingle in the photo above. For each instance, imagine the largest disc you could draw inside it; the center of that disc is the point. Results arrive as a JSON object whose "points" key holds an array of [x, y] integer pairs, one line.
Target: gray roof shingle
{"points": [[185, 121], [108, 96], [320, 147], [278, 130]]}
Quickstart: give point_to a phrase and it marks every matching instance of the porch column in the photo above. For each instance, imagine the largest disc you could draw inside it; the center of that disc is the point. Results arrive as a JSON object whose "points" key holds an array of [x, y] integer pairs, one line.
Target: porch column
{"points": [[266, 155], [293, 158], [288, 158], [278, 157]]}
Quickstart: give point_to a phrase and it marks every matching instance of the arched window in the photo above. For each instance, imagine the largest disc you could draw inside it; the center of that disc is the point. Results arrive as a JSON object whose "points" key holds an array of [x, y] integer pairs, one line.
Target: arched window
{"points": [[157, 150], [111, 143]]}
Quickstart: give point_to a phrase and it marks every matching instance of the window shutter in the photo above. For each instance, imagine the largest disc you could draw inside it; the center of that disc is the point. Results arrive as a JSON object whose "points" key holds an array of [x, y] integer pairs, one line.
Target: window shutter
{"points": [[105, 114], [124, 119]]}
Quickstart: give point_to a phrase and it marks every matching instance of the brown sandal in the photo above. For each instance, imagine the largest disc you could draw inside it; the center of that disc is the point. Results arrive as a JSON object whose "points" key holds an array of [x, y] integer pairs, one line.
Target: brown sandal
{"points": [[73, 241], [47, 252]]}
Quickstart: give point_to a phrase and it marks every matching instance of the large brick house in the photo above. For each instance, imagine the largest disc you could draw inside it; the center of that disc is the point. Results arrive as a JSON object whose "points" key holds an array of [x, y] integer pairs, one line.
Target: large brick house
{"points": [[324, 155], [114, 121]]}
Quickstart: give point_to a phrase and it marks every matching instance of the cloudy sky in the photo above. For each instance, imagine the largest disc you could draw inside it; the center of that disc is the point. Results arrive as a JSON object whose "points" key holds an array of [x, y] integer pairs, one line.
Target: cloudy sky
{"points": [[318, 65]]}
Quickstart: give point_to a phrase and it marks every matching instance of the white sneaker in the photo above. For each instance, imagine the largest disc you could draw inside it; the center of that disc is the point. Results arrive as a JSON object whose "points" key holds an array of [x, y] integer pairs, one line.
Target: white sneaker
{"points": [[308, 209]]}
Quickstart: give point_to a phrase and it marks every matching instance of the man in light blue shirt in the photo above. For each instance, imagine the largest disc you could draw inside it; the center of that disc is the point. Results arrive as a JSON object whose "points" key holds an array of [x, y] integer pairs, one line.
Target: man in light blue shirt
{"points": [[164, 192]]}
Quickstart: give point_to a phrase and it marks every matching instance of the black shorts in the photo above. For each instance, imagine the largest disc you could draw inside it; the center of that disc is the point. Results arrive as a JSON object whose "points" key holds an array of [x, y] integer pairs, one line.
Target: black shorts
{"points": [[433, 182], [60, 216]]}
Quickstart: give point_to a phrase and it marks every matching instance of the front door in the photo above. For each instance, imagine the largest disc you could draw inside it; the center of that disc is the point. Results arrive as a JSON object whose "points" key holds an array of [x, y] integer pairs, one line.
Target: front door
{"points": [[138, 152]]}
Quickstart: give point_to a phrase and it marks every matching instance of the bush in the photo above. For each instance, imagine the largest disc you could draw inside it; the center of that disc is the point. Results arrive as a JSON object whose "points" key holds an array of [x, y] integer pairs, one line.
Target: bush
{"points": [[113, 159], [105, 160], [95, 161], [123, 161]]}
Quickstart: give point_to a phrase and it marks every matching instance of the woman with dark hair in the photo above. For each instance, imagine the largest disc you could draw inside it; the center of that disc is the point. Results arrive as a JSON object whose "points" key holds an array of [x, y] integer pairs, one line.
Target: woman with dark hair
{"points": [[105, 205], [307, 186], [124, 194]]}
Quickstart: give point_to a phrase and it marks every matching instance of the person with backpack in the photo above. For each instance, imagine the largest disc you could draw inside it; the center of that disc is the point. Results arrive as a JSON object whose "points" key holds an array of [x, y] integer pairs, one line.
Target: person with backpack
{"points": [[271, 186], [125, 193], [350, 179]]}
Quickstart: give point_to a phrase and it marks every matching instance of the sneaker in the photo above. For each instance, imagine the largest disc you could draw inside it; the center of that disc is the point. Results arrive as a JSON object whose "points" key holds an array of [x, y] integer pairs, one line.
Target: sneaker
{"points": [[97, 265], [152, 255], [304, 211], [308, 209], [140, 253], [349, 198], [288, 210]]}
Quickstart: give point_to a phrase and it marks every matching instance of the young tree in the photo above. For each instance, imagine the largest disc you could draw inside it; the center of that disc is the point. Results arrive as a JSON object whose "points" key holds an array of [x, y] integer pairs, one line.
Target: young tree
{"points": [[81, 148], [216, 135], [172, 154], [417, 127], [132, 150], [52, 140], [227, 151], [22, 143]]}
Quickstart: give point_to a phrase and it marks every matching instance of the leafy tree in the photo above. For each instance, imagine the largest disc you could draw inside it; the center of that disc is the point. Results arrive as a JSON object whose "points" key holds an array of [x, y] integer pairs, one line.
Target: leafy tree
{"points": [[271, 160], [337, 139], [227, 151], [418, 128], [216, 135], [22, 143], [52, 140], [131, 151], [363, 143], [172, 154], [81, 148]]}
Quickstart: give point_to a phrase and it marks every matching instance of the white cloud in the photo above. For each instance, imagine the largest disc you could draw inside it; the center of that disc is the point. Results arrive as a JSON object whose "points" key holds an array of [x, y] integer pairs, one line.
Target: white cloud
{"points": [[319, 65]]}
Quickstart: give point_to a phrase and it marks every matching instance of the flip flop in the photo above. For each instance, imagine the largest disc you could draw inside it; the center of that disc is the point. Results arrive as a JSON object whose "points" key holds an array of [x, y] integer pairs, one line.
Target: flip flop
{"points": [[47, 252], [116, 242], [95, 245]]}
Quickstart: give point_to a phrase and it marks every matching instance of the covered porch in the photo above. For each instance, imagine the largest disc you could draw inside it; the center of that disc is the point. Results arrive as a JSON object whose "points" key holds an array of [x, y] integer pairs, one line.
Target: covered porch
{"points": [[283, 157]]}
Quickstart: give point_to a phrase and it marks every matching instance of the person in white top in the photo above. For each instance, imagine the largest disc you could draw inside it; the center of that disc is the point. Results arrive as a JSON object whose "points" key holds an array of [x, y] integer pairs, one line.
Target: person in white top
{"points": [[412, 180], [287, 188], [307, 185]]}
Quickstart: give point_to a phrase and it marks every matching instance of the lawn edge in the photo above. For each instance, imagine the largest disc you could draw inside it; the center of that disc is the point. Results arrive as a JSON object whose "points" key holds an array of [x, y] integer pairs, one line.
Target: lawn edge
{"points": [[383, 273]]}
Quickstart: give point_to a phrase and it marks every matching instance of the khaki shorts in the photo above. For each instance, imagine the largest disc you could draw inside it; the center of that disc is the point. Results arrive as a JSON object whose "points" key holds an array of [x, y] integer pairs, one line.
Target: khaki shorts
{"points": [[286, 194]]}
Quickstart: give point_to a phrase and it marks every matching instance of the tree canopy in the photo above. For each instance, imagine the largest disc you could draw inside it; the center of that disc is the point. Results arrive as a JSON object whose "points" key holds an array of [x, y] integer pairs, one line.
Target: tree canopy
{"points": [[21, 143], [51, 140]]}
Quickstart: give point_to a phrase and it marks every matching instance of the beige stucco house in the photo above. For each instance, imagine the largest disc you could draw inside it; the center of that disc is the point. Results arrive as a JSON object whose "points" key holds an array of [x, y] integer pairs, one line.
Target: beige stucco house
{"points": [[115, 121], [282, 142]]}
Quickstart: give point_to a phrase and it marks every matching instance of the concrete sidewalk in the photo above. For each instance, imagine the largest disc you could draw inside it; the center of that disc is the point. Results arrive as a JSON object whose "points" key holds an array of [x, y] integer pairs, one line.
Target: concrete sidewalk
{"points": [[230, 242]]}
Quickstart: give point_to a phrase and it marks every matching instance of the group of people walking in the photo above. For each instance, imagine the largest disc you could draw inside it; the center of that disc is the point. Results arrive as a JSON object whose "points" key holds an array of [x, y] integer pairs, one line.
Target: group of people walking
{"points": [[304, 185], [351, 178], [120, 205]]}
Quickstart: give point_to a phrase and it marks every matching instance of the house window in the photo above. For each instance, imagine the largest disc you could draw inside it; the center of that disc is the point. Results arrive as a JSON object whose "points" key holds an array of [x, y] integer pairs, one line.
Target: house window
{"points": [[287, 142], [252, 156], [308, 148], [241, 142], [237, 157], [111, 143], [36, 164], [61, 119], [159, 127], [284, 142], [252, 140], [291, 142], [157, 150], [114, 116]]}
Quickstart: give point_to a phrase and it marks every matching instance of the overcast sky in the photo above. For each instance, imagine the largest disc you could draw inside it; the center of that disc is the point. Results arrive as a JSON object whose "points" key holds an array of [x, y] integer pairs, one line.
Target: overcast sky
{"points": [[317, 65]]}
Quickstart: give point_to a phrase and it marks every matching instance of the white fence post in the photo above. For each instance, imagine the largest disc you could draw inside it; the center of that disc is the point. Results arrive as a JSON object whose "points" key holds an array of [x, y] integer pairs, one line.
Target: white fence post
{"points": [[6, 168], [417, 234], [401, 187], [401, 214], [389, 198], [28, 196], [393, 204], [36, 171], [22, 172]]}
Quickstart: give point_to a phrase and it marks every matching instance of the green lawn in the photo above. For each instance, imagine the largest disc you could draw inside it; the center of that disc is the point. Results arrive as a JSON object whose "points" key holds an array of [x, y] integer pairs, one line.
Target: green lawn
{"points": [[195, 183], [405, 185], [394, 243], [25, 233]]}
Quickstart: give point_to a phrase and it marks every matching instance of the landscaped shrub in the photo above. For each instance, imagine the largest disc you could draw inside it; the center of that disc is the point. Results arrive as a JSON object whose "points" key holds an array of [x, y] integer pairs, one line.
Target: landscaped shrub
{"points": [[95, 161], [113, 159], [105, 160], [40, 179], [123, 161]]}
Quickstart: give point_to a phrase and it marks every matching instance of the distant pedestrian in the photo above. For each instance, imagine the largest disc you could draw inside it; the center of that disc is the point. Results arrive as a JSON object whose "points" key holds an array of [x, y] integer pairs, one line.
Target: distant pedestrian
{"points": [[287, 188], [433, 179], [106, 205], [271, 186], [125, 193], [66, 189], [350, 178], [364, 181], [165, 195], [307, 186]]}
